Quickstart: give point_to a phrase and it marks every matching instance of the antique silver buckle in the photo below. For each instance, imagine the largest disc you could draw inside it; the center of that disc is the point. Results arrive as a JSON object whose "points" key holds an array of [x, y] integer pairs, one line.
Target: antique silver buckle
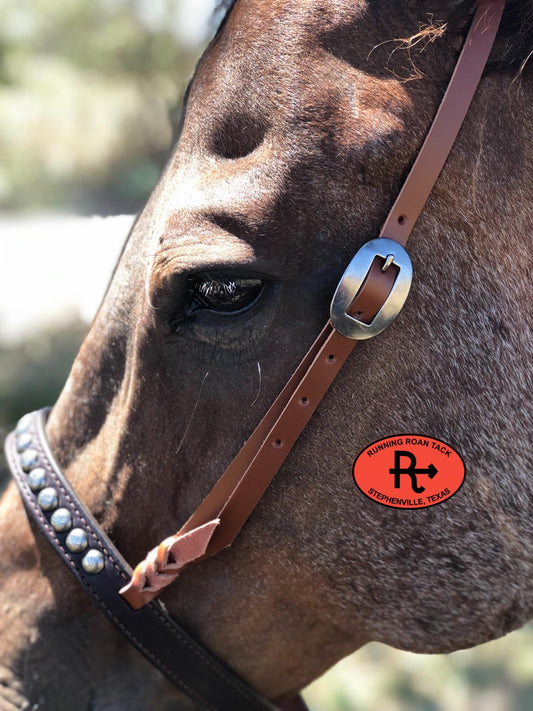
{"points": [[353, 278]]}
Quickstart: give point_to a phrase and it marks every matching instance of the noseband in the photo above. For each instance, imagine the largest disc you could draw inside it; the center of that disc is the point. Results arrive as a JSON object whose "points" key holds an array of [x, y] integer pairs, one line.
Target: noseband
{"points": [[369, 296]]}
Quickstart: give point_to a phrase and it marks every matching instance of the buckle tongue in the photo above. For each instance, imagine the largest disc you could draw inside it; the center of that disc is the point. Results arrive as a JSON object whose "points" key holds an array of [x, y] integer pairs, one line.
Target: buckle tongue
{"points": [[392, 253]]}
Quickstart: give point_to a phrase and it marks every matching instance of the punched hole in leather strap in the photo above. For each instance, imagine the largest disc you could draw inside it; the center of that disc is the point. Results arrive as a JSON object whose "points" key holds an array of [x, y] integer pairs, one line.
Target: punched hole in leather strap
{"points": [[231, 501], [248, 476]]}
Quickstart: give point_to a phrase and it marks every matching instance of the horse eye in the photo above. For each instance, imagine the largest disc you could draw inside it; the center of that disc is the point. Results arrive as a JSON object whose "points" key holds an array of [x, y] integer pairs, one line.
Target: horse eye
{"points": [[223, 294]]}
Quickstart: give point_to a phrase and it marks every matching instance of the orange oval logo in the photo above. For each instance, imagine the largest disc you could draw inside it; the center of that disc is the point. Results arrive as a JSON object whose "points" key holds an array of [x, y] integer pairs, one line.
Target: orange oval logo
{"points": [[409, 471]]}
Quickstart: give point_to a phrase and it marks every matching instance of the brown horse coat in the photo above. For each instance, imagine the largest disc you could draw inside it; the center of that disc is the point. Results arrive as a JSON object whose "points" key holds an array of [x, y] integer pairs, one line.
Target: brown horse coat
{"points": [[301, 123]]}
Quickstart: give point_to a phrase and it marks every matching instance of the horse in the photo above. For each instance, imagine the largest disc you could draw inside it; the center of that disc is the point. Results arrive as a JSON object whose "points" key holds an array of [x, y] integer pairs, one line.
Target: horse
{"points": [[299, 127]]}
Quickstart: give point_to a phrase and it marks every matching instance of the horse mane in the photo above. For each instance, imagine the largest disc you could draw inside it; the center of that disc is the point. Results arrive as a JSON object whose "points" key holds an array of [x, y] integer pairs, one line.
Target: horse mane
{"points": [[517, 28]]}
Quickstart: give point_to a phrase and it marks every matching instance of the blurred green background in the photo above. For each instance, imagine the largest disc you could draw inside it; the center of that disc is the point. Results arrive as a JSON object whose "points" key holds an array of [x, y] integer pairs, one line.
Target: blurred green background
{"points": [[89, 94], [87, 88]]}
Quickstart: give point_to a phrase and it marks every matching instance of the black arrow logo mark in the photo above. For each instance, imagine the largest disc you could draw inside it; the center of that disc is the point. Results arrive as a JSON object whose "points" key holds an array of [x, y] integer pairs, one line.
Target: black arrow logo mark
{"points": [[410, 470]]}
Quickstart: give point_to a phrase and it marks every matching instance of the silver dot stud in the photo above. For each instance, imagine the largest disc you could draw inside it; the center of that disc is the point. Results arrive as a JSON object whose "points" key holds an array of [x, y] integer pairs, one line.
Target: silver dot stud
{"points": [[77, 540], [61, 520], [24, 441], [48, 499], [92, 562], [29, 459], [37, 479], [23, 425]]}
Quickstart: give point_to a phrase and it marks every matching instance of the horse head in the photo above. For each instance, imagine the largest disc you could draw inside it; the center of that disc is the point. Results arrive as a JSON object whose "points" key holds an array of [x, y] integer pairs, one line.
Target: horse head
{"points": [[300, 125]]}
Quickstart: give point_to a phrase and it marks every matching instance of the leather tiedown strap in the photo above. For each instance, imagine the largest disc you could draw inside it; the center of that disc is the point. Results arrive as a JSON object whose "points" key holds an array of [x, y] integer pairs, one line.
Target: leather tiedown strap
{"points": [[221, 515], [369, 296]]}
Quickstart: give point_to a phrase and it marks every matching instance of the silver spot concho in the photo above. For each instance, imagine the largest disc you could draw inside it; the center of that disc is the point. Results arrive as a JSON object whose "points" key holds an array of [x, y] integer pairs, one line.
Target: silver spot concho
{"points": [[77, 540], [48, 499], [29, 459], [37, 479], [23, 425], [61, 520], [23, 441], [93, 562]]}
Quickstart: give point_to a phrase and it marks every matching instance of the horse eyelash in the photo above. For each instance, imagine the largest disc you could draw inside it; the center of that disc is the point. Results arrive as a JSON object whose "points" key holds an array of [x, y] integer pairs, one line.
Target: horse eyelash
{"points": [[216, 286]]}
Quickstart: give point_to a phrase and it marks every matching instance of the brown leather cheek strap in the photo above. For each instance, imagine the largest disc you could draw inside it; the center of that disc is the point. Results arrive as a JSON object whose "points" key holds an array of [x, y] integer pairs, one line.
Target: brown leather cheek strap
{"points": [[220, 517], [447, 122]]}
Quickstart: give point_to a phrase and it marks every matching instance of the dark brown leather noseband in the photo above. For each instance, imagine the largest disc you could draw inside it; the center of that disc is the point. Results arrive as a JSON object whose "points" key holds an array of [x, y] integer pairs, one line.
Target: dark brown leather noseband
{"points": [[369, 296], [102, 571]]}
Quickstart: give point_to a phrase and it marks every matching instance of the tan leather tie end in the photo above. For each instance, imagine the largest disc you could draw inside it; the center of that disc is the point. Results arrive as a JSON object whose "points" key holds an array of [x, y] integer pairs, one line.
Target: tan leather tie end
{"points": [[164, 563]]}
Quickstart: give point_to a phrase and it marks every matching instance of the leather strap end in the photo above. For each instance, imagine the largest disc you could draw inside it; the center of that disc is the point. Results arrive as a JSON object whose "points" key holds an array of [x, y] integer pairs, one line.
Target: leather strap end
{"points": [[187, 547], [165, 562]]}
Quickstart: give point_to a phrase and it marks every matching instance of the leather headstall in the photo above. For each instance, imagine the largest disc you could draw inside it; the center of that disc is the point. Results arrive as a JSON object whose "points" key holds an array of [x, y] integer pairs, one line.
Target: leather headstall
{"points": [[369, 296]]}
